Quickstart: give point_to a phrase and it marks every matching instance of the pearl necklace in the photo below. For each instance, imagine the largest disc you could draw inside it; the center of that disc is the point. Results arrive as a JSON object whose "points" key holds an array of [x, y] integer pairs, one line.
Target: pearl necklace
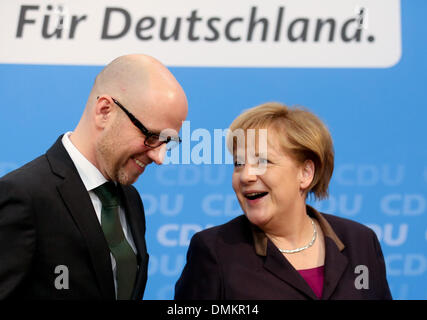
{"points": [[306, 246]]}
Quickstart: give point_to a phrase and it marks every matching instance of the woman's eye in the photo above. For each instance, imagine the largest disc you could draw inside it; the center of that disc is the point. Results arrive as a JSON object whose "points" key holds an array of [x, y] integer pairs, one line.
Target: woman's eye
{"points": [[263, 161]]}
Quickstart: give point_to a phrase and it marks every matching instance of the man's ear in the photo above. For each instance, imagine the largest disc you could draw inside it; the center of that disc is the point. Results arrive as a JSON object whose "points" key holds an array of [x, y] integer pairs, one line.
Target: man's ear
{"points": [[103, 111], [307, 174]]}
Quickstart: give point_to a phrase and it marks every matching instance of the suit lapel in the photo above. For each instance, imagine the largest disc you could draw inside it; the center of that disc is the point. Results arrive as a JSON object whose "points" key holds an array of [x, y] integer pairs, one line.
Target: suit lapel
{"points": [[335, 262], [136, 221], [77, 200], [335, 265], [280, 267]]}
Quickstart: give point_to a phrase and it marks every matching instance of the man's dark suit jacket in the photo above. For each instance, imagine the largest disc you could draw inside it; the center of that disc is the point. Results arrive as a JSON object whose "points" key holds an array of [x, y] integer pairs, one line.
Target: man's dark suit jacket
{"points": [[47, 220], [238, 261]]}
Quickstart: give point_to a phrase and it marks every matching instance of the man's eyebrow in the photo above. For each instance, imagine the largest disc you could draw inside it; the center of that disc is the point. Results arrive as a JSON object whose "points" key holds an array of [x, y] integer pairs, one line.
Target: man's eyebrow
{"points": [[167, 134], [155, 131]]}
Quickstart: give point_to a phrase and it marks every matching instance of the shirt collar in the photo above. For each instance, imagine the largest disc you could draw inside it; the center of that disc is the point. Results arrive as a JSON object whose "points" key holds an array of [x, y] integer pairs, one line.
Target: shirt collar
{"points": [[89, 174], [260, 238]]}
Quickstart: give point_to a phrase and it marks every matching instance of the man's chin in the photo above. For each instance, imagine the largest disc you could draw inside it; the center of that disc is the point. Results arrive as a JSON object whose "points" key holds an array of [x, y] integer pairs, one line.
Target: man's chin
{"points": [[126, 179]]}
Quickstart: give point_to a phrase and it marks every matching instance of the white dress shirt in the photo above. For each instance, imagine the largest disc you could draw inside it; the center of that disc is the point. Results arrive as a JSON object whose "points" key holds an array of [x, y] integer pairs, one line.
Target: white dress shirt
{"points": [[93, 178]]}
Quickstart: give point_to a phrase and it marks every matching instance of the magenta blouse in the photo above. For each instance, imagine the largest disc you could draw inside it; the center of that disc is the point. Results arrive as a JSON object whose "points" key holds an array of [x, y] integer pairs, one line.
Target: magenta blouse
{"points": [[314, 277]]}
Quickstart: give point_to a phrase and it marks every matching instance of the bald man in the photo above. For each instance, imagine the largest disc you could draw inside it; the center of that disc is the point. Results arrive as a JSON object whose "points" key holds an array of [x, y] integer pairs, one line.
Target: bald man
{"points": [[71, 224]]}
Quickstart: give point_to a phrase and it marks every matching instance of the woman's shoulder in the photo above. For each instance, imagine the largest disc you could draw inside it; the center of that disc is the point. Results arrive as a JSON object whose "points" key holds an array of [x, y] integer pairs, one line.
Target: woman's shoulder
{"points": [[235, 228], [338, 222], [347, 229]]}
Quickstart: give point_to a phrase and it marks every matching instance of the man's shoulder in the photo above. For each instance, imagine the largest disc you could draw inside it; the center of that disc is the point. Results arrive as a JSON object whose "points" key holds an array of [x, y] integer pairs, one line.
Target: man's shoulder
{"points": [[35, 169], [27, 182]]}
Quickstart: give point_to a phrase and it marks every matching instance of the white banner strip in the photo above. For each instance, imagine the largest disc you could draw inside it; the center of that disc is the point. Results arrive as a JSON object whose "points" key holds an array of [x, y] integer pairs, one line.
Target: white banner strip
{"points": [[220, 33]]}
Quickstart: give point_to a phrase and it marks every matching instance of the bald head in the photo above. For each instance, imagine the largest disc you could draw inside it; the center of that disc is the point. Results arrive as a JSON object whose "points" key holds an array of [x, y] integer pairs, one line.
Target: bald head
{"points": [[141, 83], [148, 90], [133, 77]]}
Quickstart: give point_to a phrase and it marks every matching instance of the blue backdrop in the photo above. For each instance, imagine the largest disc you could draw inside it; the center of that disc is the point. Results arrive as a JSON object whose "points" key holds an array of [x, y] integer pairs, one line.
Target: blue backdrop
{"points": [[377, 118]]}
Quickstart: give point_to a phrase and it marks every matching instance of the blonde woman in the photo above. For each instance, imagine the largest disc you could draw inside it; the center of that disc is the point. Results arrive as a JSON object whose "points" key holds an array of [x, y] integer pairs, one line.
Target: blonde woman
{"points": [[281, 248]]}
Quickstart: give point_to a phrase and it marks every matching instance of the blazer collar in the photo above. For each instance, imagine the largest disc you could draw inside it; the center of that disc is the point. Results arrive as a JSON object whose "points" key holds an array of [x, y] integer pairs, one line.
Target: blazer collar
{"points": [[335, 261], [90, 175], [77, 200], [260, 238]]}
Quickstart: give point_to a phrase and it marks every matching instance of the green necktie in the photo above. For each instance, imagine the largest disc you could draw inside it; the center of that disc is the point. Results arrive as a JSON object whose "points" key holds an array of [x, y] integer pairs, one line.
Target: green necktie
{"points": [[126, 265]]}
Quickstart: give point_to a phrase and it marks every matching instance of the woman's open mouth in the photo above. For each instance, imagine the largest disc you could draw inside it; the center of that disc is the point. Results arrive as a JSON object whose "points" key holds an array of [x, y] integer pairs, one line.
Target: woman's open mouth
{"points": [[255, 195]]}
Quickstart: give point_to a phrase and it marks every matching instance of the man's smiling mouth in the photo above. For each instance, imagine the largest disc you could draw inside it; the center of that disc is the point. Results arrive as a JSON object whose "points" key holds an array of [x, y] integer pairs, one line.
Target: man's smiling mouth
{"points": [[139, 163]]}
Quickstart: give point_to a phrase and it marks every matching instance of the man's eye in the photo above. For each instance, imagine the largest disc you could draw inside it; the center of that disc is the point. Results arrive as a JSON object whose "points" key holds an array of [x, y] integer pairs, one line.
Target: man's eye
{"points": [[164, 138], [238, 163]]}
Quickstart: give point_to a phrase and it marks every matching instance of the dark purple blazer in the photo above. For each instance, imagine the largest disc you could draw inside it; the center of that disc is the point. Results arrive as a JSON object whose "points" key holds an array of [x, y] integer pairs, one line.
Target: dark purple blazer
{"points": [[237, 261]]}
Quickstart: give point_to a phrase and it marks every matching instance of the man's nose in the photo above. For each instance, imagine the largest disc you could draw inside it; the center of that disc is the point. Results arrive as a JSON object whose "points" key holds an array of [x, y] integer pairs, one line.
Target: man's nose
{"points": [[157, 155]]}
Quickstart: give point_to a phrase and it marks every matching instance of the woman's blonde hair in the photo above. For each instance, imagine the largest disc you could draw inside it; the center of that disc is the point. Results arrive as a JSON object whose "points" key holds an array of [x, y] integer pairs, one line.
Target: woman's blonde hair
{"points": [[301, 134]]}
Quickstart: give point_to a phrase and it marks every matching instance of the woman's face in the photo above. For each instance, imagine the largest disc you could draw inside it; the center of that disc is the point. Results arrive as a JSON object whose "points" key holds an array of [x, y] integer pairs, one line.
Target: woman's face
{"points": [[266, 194]]}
